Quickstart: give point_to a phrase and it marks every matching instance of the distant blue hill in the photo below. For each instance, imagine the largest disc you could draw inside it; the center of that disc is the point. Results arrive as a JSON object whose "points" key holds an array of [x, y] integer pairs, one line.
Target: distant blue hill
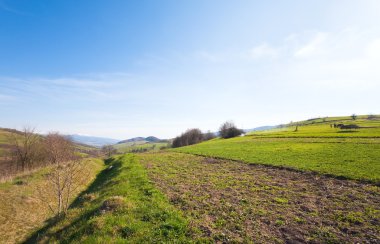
{"points": [[267, 127], [136, 139], [92, 140]]}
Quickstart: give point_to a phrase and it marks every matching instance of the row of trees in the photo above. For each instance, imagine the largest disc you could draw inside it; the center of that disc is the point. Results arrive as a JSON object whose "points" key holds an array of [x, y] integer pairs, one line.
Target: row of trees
{"points": [[194, 136], [190, 137], [67, 170]]}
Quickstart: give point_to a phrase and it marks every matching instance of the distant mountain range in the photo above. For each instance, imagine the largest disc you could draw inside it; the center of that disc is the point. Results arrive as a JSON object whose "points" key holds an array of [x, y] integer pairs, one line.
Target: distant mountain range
{"points": [[267, 127], [138, 139], [92, 140], [101, 141]]}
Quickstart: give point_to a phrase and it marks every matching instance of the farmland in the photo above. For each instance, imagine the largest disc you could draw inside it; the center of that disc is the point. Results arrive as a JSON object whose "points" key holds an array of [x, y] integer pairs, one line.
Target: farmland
{"points": [[227, 201], [312, 183], [352, 154], [139, 145]]}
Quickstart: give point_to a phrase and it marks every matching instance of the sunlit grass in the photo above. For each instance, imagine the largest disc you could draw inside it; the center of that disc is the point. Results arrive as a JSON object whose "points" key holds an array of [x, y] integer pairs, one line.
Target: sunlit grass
{"points": [[314, 147], [121, 205]]}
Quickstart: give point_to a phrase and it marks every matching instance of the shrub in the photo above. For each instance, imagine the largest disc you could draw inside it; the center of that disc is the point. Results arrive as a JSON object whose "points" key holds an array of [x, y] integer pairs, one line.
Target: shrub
{"points": [[190, 137], [229, 130], [209, 136]]}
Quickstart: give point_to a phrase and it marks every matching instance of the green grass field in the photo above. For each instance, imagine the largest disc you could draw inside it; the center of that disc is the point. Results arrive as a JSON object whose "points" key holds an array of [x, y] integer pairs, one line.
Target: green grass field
{"points": [[122, 204], [221, 191], [171, 197], [314, 147], [130, 146]]}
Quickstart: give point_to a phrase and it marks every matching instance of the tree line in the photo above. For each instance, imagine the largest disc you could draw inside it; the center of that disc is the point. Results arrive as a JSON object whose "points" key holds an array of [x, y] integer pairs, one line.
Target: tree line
{"points": [[67, 171], [194, 136]]}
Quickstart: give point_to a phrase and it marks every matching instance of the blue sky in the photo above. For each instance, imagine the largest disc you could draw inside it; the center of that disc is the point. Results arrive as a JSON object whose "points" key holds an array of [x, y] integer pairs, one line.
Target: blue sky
{"points": [[137, 68]]}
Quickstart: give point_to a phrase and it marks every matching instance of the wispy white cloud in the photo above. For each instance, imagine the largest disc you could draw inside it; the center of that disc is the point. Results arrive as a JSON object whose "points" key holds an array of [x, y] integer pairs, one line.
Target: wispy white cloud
{"points": [[314, 47], [208, 56], [307, 73], [263, 51]]}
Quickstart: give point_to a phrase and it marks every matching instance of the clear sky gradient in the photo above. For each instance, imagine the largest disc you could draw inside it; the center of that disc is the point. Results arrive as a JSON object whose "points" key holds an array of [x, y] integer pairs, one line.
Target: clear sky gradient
{"points": [[137, 68]]}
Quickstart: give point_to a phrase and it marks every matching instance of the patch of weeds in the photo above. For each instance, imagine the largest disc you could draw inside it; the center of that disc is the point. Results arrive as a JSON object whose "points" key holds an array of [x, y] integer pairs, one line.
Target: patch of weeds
{"points": [[281, 200], [324, 235], [169, 229], [177, 200], [372, 213], [243, 201], [261, 212], [112, 204], [221, 237], [220, 222], [95, 225], [351, 217], [279, 222], [87, 198], [126, 232], [20, 182], [148, 192], [299, 220]]}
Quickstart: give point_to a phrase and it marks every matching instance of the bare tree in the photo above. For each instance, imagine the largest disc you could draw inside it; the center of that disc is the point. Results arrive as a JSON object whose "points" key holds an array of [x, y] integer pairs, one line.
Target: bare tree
{"points": [[26, 148], [68, 173], [108, 150]]}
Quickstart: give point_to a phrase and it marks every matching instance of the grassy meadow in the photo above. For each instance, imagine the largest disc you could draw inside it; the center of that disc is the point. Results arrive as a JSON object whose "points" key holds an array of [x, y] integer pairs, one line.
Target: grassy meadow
{"points": [[128, 147], [317, 147], [121, 204], [218, 191], [169, 197]]}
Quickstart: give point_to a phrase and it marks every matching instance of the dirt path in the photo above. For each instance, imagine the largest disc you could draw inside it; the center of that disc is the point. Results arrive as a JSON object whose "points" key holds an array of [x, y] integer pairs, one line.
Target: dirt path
{"points": [[229, 201]]}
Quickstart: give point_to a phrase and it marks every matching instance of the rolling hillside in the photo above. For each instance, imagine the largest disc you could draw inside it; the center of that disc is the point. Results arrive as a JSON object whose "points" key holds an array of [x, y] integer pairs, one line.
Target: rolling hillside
{"points": [[92, 140], [141, 144], [5, 147], [315, 146], [171, 197], [306, 182]]}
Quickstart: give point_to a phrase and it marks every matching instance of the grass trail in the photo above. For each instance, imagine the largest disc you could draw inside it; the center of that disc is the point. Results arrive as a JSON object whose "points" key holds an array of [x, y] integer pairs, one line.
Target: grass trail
{"points": [[121, 205]]}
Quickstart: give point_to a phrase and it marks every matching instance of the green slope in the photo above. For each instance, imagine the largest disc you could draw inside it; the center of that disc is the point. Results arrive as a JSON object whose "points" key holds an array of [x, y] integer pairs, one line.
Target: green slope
{"points": [[144, 145], [121, 204], [315, 147]]}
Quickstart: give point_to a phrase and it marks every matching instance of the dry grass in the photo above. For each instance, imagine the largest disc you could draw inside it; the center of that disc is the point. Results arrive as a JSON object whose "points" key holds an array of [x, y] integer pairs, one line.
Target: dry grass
{"points": [[235, 202], [21, 210]]}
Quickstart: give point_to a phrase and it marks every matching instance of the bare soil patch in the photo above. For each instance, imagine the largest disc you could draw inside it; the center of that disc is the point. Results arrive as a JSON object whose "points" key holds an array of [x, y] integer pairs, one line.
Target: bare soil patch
{"points": [[236, 202]]}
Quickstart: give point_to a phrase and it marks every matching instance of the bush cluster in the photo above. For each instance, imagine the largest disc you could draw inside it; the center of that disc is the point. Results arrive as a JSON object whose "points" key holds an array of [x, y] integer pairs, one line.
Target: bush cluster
{"points": [[194, 136], [229, 130], [190, 137]]}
